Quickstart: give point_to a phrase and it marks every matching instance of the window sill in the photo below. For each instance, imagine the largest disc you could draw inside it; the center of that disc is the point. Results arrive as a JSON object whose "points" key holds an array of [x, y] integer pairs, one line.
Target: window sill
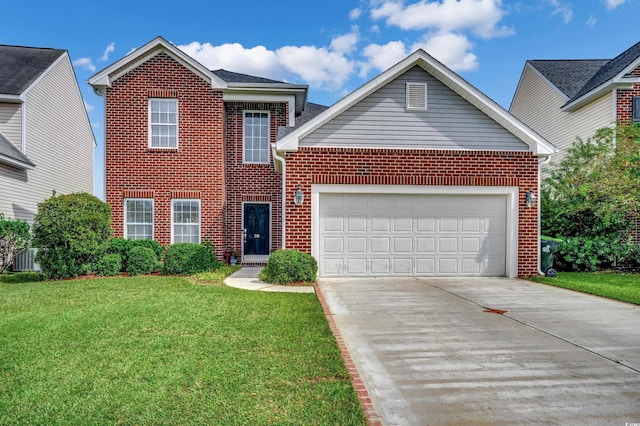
{"points": [[152, 149]]}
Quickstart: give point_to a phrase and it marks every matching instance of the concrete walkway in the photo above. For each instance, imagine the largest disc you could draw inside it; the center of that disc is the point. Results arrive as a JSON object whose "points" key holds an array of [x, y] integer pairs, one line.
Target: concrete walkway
{"points": [[488, 351], [247, 279]]}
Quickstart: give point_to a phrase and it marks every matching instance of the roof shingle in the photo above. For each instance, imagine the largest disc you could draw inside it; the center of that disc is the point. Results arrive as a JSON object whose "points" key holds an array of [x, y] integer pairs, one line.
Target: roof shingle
{"points": [[21, 66]]}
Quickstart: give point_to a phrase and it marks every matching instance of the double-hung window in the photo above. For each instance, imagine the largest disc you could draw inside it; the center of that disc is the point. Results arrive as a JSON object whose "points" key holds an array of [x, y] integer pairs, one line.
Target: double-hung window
{"points": [[255, 137], [138, 214], [163, 123], [185, 221]]}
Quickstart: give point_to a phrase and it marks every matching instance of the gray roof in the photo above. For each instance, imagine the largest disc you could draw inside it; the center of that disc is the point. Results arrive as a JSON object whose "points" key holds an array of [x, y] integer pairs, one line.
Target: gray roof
{"points": [[234, 77], [13, 154], [610, 70], [21, 66], [569, 76], [310, 111], [576, 78]]}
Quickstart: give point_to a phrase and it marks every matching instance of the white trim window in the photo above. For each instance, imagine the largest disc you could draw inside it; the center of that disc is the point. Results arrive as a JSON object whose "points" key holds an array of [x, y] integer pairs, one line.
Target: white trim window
{"points": [[163, 123], [185, 221], [138, 218], [255, 137]]}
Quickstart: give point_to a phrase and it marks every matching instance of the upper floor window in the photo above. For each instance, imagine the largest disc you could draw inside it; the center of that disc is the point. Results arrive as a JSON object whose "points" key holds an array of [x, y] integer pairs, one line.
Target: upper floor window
{"points": [[255, 137], [163, 123], [185, 220], [138, 218]]}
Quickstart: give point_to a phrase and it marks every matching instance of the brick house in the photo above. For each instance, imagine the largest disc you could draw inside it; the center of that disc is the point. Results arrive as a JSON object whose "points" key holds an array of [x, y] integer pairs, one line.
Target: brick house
{"points": [[415, 173]]}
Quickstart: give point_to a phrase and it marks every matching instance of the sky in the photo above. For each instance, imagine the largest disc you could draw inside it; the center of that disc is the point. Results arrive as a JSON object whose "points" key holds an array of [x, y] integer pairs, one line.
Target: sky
{"points": [[334, 46]]}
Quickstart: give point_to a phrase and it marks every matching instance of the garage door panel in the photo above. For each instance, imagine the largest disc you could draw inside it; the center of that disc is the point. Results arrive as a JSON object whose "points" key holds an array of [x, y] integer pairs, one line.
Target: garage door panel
{"points": [[371, 234], [380, 245]]}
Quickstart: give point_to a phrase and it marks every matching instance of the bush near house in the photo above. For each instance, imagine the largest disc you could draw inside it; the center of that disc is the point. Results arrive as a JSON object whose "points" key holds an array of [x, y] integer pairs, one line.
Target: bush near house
{"points": [[190, 258], [14, 238], [590, 197], [289, 266], [142, 260], [109, 265], [123, 247], [71, 233]]}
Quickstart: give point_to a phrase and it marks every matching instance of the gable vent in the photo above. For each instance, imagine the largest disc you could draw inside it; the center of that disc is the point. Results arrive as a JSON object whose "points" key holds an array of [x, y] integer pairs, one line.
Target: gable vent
{"points": [[417, 96]]}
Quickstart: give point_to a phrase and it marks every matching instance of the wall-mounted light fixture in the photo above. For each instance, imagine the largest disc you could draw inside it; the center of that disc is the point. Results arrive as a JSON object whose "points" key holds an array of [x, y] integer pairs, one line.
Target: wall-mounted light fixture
{"points": [[530, 198], [298, 196]]}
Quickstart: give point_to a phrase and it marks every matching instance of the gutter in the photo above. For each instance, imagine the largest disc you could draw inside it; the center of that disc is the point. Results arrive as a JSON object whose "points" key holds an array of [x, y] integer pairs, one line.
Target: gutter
{"points": [[546, 161], [284, 191]]}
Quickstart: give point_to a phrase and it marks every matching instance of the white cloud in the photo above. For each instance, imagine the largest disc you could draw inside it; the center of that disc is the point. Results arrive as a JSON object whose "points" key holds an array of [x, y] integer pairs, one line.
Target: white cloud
{"points": [[591, 22], [562, 9], [381, 57], [88, 107], [478, 16], [85, 63], [355, 13], [319, 66], [109, 49], [612, 4], [453, 50], [346, 43]]}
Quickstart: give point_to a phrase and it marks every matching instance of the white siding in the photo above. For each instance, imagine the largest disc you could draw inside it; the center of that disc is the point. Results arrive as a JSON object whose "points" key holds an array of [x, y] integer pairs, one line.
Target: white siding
{"points": [[59, 140], [538, 105], [11, 122], [382, 120]]}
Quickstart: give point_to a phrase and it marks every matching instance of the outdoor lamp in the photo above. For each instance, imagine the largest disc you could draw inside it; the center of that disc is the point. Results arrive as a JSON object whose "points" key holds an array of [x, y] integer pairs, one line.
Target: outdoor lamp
{"points": [[298, 196], [530, 198]]}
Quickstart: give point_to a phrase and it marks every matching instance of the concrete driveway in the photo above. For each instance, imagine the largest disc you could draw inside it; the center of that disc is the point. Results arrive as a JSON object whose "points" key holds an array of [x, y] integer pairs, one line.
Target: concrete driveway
{"points": [[429, 354]]}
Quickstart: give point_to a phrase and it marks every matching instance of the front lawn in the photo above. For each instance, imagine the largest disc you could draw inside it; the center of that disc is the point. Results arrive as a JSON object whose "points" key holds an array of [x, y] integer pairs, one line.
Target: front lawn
{"points": [[619, 286], [167, 350]]}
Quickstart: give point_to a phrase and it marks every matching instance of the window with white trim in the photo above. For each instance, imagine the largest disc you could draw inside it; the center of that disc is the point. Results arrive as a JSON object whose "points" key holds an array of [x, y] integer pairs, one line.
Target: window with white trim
{"points": [[163, 123], [138, 218], [416, 96], [185, 221], [255, 141]]}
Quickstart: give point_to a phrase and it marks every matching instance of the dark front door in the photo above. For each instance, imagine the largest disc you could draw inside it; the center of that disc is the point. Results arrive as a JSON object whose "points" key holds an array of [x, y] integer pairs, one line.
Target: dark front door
{"points": [[256, 229]]}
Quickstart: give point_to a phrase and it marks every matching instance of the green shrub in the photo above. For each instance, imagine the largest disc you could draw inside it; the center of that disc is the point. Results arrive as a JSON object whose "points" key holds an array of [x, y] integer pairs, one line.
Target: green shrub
{"points": [[142, 260], [289, 266], [70, 232], [123, 246], [14, 238], [594, 254], [189, 258], [109, 265]]}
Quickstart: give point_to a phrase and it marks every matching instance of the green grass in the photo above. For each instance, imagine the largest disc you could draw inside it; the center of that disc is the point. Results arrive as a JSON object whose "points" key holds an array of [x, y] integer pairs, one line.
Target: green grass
{"points": [[164, 350], [618, 286]]}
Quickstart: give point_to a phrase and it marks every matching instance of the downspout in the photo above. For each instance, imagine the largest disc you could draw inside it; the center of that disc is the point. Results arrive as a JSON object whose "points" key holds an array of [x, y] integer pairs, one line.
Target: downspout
{"points": [[284, 191], [540, 164]]}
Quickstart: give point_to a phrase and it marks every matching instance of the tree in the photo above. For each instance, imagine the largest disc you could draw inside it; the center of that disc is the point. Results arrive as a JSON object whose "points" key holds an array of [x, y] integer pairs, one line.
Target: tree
{"points": [[595, 189], [71, 233], [14, 238]]}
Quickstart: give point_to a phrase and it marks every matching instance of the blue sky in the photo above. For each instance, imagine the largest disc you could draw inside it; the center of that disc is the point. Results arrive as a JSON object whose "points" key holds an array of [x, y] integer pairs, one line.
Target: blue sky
{"points": [[334, 45]]}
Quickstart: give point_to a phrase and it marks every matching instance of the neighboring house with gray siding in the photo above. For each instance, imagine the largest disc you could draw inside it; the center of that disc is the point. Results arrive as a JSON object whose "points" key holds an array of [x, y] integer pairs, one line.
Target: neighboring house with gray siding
{"points": [[566, 99], [46, 140]]}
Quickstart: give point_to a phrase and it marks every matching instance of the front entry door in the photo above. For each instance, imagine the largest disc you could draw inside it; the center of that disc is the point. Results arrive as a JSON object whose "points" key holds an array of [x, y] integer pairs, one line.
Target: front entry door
{"points": [[256, 229]]}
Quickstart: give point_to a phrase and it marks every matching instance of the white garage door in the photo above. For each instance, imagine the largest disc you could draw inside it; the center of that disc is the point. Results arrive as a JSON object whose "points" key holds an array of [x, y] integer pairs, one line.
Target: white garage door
{"points": [[412, 235]]}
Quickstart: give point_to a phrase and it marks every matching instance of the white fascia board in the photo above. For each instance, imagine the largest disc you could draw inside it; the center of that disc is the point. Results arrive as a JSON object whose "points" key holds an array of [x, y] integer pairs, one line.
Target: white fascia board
{"points": [[14, 99], [134, 59], [420, 58], [252, 96], [16, 163], [608, 86]]}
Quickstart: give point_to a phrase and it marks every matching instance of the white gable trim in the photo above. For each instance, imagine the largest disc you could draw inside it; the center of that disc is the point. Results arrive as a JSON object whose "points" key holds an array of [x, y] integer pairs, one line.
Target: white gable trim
{"points": [[134, 59], [536, 143]]}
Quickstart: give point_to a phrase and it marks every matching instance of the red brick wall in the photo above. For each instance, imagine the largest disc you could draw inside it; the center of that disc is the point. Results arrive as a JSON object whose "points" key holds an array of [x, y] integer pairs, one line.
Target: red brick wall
{"points": [[624, 100], [413, 167], [251, 182], [195, 170]]}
